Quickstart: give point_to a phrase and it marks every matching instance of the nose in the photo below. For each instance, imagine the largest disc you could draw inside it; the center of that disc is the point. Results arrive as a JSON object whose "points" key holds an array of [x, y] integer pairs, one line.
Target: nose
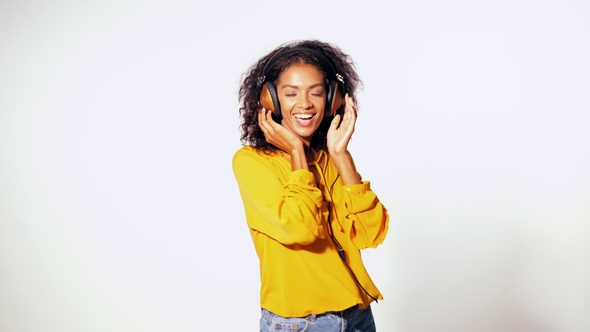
{"points": [[304, 102]]}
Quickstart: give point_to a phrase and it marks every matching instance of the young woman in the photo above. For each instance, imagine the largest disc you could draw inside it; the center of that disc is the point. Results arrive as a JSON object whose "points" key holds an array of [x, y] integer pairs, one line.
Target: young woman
{"points": [[308, 210]]}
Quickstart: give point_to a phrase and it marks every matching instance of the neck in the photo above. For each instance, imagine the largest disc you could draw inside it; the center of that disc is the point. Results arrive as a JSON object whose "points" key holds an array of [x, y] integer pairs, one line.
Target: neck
{"points": [[310, 154]]}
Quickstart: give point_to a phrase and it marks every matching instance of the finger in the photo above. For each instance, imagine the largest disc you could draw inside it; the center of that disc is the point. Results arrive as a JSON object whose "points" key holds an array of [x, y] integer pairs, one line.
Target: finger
{"points": [[335, 122], [263, 123], [268, 117], [273, 126], [261, 118], [260, 115], [347, 113], [349, 119], [350, 103], [351, 107], [346, 105]]}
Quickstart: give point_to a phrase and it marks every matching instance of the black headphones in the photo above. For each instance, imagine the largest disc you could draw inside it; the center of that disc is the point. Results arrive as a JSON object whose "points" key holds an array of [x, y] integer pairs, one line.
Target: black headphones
{"points": [[336, 89]]}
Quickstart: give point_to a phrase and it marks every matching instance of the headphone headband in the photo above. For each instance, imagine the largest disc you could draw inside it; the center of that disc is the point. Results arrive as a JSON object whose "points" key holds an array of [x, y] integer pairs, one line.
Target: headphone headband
{"points": [[300, 49]]}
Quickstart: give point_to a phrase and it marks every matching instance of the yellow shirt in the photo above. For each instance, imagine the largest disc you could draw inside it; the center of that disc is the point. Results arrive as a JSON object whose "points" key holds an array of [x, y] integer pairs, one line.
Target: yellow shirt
{"points": [[288, 214]]}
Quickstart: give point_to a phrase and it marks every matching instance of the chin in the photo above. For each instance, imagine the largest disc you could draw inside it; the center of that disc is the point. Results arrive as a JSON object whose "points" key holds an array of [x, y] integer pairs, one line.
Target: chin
{"points": [[305, 134]]}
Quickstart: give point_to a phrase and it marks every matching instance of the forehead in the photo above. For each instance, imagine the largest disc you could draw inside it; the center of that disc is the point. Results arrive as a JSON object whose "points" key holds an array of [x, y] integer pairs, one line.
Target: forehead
{"points": [[301, 72]]}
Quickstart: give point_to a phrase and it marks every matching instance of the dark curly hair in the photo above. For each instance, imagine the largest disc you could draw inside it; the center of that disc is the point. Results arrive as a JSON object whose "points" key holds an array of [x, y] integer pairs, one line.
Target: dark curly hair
{"points": [[249, 93]]}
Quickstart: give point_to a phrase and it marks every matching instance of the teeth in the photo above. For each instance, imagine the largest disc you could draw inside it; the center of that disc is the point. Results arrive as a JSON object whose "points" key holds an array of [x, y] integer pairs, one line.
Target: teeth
{"points": [[303, 116]]}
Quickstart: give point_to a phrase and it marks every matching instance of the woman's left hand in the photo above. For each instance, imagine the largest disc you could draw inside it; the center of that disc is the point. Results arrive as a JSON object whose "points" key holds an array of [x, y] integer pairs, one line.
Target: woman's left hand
{"points": [[339, 135]]}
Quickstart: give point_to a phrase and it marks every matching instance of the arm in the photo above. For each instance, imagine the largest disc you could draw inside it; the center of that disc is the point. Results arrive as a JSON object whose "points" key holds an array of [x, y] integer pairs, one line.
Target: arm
{"points": [[285, 205], [365, 219]]}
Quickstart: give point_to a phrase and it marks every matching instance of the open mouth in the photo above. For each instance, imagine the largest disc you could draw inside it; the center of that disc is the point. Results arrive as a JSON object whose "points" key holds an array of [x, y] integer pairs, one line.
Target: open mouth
{"points": [[303, 116], [304, 120]]}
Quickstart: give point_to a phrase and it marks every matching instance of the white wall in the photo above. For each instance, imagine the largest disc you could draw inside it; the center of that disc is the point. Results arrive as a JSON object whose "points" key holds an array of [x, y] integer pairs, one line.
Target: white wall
{"points": [[118, 122]]}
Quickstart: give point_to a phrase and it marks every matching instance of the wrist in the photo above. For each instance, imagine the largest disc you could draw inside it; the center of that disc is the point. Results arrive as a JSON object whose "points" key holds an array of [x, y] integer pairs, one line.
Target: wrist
{"points": [[338, 156], [298, 158], [345, 165], [297, 147]]}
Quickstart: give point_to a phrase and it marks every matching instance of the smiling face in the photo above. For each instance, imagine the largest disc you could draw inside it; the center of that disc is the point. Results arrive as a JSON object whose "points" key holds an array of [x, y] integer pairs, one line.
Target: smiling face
{"points": [[302, 95]]}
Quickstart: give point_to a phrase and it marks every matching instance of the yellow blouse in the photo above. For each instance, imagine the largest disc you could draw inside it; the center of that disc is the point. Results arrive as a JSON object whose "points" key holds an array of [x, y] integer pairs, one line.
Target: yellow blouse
{"points": [[288, 213]]}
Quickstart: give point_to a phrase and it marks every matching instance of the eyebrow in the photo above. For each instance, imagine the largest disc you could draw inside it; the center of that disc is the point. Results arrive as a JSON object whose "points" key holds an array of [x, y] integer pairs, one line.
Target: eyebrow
{"points": [[296, 86]]}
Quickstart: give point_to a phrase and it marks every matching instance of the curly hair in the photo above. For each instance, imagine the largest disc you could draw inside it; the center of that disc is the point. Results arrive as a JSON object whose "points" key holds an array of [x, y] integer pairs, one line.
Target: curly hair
{"points": [[249, 92]]}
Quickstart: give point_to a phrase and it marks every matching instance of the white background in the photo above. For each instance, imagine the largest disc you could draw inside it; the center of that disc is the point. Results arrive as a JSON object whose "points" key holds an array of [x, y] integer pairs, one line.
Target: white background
{"points": [[118, 121]]}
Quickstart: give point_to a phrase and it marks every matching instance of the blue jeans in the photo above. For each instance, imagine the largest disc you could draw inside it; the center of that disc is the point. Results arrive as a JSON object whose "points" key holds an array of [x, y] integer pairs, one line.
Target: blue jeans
{"points": [[350, 320]]}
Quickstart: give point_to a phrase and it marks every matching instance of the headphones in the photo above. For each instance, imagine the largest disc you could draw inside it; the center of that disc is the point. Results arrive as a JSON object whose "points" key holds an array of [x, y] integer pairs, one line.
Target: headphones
{"points": [[269, 98]]}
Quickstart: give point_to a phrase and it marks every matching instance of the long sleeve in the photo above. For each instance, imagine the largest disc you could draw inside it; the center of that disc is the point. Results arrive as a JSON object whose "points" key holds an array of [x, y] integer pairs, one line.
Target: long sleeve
{"points": [[283, 204], [362, 215]]}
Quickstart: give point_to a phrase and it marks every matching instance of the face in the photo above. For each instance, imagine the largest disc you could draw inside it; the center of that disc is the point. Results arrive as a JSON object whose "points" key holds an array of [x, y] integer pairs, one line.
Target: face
{"points": [[302, 94]]}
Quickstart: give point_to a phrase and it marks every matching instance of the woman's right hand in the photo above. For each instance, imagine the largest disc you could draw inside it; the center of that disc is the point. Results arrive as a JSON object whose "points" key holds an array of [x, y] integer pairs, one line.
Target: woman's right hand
{"points": [[276, 134], [283, 139]]}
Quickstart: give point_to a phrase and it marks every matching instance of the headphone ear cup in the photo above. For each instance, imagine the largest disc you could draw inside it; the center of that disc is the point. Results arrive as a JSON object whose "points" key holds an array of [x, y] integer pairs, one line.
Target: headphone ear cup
{"points": [[270, 100], [334, 98], [329, 98]]}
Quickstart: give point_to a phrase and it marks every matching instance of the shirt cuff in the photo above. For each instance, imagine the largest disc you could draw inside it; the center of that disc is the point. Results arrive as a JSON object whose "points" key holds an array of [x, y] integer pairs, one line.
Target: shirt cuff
{"points": [[302, 176], [357, 189]]}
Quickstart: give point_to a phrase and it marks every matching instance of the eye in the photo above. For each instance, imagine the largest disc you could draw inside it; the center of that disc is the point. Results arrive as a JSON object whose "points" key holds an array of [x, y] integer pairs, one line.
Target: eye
{"points": [[318, 93], [289, 92]]}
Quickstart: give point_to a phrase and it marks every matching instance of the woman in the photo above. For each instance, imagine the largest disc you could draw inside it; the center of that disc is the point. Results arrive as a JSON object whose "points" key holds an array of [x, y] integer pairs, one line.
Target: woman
{"points": [[308, 211]]}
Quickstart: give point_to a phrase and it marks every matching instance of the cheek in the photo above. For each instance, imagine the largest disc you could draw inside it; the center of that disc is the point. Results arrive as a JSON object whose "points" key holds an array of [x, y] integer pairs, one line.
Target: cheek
{"points": [[286, 103], [320, 103]]}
